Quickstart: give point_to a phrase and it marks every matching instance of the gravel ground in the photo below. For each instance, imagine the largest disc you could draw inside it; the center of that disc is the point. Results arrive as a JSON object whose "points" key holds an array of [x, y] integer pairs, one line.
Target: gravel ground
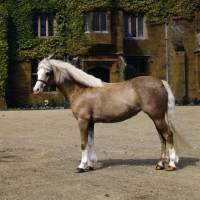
{"points": [[40, 150]]}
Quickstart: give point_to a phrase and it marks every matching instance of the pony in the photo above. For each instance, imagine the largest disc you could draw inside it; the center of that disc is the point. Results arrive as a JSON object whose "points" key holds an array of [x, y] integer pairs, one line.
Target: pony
{"points": [[94, 101]]}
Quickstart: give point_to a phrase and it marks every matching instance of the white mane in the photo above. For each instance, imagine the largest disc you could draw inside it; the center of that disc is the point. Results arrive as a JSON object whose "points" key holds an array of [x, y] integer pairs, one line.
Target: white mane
{"points": [[63, 70]]}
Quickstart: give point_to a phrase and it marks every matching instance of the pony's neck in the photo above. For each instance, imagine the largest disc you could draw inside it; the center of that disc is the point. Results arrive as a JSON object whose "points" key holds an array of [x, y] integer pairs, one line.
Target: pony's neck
{"points": [[68, 88]]}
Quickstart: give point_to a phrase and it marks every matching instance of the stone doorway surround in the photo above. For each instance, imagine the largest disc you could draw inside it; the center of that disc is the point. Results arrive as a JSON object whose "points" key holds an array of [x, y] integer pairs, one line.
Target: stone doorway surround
{"points": [[102, 73], [114, 65]]}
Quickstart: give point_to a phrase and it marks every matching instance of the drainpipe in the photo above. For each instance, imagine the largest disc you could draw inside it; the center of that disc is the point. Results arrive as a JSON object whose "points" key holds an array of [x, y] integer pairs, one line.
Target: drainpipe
{"points": [[167, 56]]}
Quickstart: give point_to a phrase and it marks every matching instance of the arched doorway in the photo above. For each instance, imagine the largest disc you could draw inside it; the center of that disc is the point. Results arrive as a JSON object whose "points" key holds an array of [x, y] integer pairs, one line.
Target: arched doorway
{"points": [[101, 73]]}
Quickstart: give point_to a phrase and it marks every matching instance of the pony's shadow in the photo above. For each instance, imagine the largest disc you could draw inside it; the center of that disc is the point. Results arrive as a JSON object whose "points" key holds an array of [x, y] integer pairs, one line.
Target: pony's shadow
{"points": [[184, 162], [7, 159]]}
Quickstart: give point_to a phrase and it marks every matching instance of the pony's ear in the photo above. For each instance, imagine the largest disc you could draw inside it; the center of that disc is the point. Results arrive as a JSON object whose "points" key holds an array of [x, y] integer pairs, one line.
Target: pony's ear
{"points": [[38, 60], [50, 56]]}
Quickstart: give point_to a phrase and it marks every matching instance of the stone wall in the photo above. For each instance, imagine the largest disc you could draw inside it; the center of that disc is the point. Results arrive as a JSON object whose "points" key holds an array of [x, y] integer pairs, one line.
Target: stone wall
{"points": [[184, 67], [152, 45], [182, 46], [3, 104], [177, 78]]}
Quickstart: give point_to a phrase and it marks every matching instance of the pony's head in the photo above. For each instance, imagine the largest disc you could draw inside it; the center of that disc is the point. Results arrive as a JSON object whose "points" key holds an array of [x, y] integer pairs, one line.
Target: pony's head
{"points": [[52, 71], [45, 76]]}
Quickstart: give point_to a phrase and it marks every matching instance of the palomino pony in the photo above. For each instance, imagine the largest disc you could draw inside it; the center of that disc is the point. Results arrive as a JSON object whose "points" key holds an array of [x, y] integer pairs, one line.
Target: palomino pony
{"points": [[94, 101]]}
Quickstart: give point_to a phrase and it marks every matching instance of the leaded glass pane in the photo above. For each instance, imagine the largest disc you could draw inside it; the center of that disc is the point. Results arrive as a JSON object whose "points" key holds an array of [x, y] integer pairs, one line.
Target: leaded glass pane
{"points": [[43, 25], [34, 80], [53, 88], [140, 25], [96, 21], [104, 21], [133, 26], [34, 66]]}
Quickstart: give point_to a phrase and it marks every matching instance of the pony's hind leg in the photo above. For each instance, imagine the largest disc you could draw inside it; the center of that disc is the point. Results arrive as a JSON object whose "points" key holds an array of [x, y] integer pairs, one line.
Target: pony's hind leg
{"points": [[92, 159], [166, 135]]}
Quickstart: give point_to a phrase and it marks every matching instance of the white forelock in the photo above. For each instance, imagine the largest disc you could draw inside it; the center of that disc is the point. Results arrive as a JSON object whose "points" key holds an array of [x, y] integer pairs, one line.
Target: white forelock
{"points": [[63, 70]]}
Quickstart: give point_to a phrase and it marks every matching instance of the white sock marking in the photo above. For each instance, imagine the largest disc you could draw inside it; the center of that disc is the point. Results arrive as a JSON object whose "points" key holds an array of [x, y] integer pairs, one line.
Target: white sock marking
{"points": [[173, 157], [84, 159]]}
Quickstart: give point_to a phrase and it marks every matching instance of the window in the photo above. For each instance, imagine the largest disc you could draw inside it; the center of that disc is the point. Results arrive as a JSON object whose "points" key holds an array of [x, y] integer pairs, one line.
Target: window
{"points": [[52, 88], [34, 67], [99, 21], [43, 25], [133, 25], [139, 63]]}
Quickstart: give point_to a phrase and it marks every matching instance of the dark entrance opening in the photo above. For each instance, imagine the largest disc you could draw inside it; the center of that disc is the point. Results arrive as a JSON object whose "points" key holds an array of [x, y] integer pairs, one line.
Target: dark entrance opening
{"points": [[101, 73]]}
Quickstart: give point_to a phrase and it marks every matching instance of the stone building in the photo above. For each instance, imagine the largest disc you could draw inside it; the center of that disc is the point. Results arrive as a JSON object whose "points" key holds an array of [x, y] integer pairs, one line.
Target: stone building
{"points": [[167, 52]]}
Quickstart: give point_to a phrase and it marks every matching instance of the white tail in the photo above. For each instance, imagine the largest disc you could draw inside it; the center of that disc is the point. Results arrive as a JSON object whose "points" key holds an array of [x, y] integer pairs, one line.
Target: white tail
{"points": [[180, 142]]}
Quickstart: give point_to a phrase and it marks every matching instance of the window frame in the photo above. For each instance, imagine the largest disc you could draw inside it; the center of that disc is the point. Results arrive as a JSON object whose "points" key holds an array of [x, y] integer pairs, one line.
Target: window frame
{"points": [[48, 24], [134, 26], [97, 22]]}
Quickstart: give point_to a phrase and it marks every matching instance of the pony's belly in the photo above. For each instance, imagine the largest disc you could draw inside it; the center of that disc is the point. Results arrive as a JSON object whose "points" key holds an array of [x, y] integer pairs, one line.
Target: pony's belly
{"points": [[115, 116]]}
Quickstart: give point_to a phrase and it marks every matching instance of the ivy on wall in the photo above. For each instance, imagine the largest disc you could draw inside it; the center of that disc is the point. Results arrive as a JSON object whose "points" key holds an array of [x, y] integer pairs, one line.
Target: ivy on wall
{"points": [[23, 44], [3, 50], [157, 12], [18, 43], [70, 18]]}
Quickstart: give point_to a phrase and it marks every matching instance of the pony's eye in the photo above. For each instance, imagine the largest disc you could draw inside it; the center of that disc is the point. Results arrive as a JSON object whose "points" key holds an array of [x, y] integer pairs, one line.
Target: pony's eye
{"points": [[48, 74]]}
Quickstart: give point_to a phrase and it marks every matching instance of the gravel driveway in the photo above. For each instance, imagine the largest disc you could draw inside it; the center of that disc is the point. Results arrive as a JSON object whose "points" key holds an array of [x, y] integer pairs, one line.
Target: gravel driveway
{"points": [[40, 150]]}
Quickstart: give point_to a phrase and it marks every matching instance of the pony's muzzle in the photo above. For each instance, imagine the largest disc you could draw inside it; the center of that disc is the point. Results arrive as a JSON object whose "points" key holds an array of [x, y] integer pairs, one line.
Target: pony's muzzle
{"points": [[38, 88]]}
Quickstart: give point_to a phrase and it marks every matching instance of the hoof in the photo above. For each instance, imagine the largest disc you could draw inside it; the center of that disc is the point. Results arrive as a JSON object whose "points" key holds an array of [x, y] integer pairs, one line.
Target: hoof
{"points": [[169, 168], [90, 168], [79, 170], [158, 167]]}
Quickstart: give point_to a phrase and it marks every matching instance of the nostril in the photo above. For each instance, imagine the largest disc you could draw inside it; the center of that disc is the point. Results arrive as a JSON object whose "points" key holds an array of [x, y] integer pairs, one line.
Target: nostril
{"points": [[36, 90]]}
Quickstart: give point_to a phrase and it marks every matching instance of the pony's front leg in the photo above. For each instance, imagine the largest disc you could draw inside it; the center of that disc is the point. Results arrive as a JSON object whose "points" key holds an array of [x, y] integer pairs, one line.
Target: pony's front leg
{"points": [[83, 126], [92, 159]]}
